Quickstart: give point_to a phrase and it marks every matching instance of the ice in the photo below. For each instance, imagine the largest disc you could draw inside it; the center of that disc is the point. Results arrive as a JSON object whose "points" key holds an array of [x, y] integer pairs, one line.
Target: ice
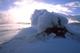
{"points": [[46, 21], [35, 16], [43, 19], [63, 18]]}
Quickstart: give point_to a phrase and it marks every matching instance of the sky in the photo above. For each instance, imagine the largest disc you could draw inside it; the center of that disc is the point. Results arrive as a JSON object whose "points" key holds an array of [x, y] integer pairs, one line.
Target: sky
{"points": [[21, 10], [68, 3]]}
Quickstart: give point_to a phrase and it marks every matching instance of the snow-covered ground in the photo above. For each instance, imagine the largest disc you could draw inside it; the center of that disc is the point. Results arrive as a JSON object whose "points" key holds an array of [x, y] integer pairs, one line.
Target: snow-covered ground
{"points": [[24, 41]]}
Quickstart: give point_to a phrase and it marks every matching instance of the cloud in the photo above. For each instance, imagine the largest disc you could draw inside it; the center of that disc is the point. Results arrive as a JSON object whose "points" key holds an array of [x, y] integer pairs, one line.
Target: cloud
{"points": [[41, 5], [5, 18], [73, 4], [23, 9], [6, 4]]}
